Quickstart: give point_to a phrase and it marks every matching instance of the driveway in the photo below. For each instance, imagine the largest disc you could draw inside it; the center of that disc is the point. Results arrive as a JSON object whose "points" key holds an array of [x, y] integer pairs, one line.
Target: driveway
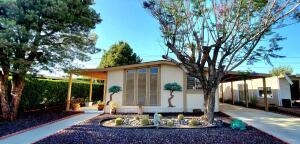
{"points": [[281, 126]]}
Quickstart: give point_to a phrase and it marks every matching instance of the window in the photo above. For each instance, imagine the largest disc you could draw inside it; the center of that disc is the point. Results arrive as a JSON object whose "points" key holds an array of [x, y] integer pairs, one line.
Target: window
{"points": [[193, 83], [261, 92], [153, 96], [130, 87], [142, 87]]}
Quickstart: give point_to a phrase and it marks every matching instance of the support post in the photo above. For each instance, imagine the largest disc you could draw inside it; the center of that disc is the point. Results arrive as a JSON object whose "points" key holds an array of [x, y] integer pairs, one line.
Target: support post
{"points": [[232, 93], [246, 93], [265, 94], [104, 92], [69, 92], [222, 93], [91, 89]]}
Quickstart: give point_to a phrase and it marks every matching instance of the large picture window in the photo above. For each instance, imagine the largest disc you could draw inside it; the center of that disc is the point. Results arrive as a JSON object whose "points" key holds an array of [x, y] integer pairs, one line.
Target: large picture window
{"points": [[142, 87], [261, 92]]}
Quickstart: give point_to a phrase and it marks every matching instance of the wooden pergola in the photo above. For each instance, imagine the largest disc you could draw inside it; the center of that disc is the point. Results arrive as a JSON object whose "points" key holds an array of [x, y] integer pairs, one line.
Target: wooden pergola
{"points": [[92, 74], [237, 76]]}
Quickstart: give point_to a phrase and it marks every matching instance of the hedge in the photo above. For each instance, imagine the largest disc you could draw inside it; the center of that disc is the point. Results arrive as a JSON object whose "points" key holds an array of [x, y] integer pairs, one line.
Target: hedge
{"points": [[41, 93]]}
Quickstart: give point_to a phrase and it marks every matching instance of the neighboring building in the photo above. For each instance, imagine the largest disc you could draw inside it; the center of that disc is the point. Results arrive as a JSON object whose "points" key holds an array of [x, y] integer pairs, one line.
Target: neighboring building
{"points": [[278, 88]]}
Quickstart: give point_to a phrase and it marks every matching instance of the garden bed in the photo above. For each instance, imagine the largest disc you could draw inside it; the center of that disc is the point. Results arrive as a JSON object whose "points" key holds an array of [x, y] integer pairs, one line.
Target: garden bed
{"points": [[32, 119], [90, 132]]}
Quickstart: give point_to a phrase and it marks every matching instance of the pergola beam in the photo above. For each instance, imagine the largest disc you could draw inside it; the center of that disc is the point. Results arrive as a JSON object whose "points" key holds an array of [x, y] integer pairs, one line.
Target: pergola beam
{"points": [[91, 89], [232, 92], [246, 93]]}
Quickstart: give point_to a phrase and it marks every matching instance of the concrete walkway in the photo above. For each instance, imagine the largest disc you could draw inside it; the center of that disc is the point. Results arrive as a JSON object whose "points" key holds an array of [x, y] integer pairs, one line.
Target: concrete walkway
{"points": [[281, 126], [47, 130]]}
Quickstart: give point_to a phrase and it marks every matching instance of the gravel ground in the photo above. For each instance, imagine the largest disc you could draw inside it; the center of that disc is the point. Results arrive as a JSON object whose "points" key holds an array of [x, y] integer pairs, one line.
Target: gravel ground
{"points": [[90, 132], [32, 119]]}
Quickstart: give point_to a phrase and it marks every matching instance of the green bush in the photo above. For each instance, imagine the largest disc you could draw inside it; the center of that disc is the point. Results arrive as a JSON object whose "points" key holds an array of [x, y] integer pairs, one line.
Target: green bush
{"points": [[41, 93], [180, 117], [193, 122], [118, 121], [170, 123], [144, 121], [238, 124], [253, 101]]}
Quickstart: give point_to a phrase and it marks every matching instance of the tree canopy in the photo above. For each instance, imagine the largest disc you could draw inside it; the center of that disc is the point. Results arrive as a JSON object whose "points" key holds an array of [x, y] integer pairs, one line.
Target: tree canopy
{"points": [[211, 38], [119, 54], [281, 70], [114, 89], [173, 87], [42, 35]]}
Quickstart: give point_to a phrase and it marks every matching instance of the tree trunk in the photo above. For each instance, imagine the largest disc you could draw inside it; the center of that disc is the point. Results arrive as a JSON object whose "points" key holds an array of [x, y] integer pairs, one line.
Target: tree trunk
{"points": [[170, 98], [10, 107], [110, 98], [209, 104]]}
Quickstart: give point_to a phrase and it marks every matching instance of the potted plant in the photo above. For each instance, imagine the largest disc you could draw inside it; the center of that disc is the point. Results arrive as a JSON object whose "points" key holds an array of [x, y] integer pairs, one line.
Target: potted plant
{"points": [[113, 107], [101, 105], [76, 103], [88, 102]]}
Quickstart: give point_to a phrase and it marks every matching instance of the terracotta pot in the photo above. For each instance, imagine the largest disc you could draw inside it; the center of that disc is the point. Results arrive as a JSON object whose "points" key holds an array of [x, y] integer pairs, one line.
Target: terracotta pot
{"points": [[100, 107], [76, 106]]}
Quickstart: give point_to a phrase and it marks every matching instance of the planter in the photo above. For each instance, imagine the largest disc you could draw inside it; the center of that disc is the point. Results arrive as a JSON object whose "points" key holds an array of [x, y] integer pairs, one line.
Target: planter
{"points": [[88, 104], [113, 111], [76, 106], [100, 107]]}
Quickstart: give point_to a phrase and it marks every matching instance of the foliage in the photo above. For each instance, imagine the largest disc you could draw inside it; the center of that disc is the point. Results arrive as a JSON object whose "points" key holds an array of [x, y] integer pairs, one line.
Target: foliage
{"points": [[253, 100], [238, 124], [211, 38], [113, 105], [119, 54], [170, 123], [193, 122], [114, 89], [118, 121], [41, 93], [173, 87], [101, 102], [144, 121], [180, 117], [281, 70]]}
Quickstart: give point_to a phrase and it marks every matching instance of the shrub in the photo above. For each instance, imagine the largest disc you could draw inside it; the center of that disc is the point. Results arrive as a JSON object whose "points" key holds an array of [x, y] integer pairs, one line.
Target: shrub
{"points": [[193, 122], [144, 121], [170, 123], [180, 117], [118, 121], [238, 124], [253, 101]]}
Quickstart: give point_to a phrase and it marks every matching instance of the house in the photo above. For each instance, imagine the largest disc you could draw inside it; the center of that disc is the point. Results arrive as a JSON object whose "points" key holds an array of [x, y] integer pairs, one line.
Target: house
{"points": [[143, 85], [278, 89]]}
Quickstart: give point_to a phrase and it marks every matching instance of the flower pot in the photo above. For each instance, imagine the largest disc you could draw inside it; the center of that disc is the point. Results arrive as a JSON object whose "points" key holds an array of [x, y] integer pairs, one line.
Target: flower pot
{"points": [[100, 107], [76, 106], [88, 104]]}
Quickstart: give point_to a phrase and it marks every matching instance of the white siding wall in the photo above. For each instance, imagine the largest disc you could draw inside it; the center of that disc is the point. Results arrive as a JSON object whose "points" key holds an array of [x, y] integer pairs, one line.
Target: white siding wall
{"points": [[280, 89], [169, 74]]}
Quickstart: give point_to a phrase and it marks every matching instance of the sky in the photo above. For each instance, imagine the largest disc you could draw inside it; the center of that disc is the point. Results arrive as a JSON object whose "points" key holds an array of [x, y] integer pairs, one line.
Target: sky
{"points": [[128, 21]]}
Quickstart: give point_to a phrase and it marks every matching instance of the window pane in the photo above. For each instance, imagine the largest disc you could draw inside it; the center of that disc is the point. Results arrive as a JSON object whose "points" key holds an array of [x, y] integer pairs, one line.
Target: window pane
{"points": [[193, 83], [142, 86], [153, 86], [130, 88]]}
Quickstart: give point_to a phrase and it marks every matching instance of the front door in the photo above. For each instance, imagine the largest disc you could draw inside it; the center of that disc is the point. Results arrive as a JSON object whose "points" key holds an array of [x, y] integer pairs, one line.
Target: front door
{"points": [[295, 94]]}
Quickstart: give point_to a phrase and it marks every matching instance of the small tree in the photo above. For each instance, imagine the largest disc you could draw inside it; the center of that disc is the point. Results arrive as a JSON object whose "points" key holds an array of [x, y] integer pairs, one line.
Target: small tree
{"points": [[281, 70], [119, 54], [113, 89], [172, 87], [209, 38]]}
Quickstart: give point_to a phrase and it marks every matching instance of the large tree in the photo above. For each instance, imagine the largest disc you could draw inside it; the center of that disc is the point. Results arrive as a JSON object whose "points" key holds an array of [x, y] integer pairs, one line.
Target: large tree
{"points": [[41, 35], [281, 70], [212, 37], [119, 54]]}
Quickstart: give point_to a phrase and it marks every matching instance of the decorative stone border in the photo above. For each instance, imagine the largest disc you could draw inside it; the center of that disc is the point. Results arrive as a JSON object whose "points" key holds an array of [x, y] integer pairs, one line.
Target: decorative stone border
{"points": [[150, 126]]}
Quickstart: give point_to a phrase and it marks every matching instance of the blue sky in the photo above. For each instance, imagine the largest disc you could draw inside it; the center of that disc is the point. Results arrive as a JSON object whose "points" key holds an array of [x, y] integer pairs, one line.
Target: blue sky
{"points": [[128, 21]]}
